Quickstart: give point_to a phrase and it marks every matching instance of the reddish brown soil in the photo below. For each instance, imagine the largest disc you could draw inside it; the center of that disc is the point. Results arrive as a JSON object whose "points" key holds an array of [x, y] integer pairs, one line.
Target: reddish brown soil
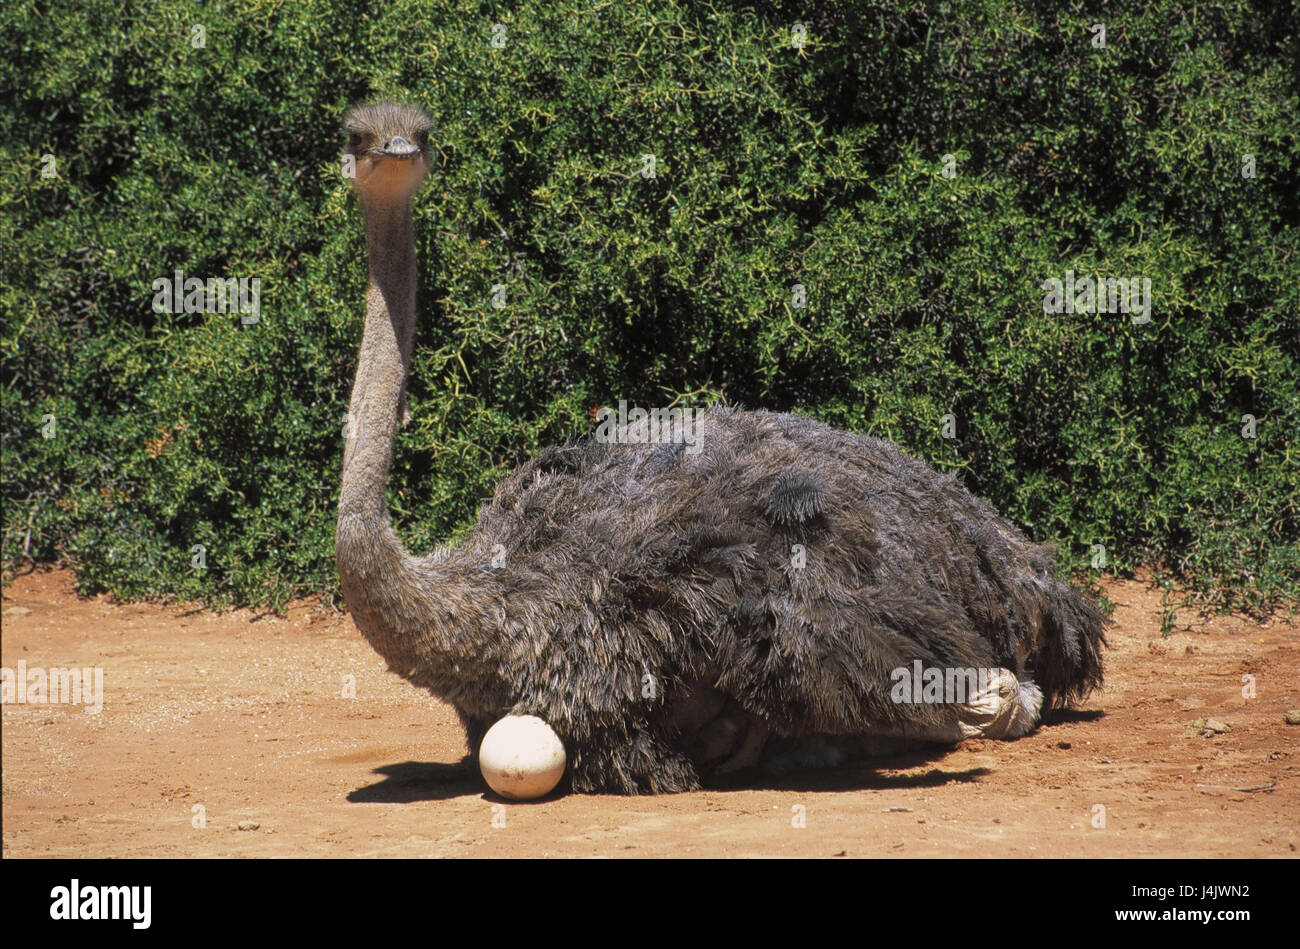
{"points": [[243, 715]]}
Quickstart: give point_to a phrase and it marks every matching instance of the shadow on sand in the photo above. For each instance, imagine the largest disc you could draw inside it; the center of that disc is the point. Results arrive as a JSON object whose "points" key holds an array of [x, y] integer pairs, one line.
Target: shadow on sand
{"points": [[412, 781]]}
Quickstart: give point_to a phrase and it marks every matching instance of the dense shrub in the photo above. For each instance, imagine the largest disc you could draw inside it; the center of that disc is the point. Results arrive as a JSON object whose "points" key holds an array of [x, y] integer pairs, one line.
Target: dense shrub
{"points": [[775, 165]]}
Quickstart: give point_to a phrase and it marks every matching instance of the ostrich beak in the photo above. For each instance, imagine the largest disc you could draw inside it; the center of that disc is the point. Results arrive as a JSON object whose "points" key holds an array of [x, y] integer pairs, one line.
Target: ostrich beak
{"points": [[396, 147]]}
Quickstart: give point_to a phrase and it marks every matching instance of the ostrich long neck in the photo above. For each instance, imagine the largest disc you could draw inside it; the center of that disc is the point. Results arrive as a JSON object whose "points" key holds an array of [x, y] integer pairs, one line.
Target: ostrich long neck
{"points": [[383, 364], [412, 610]]}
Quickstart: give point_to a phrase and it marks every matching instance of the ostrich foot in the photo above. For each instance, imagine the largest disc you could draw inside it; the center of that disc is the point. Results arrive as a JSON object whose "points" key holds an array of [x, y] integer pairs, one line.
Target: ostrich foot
{"points": [[715, 731], [1006, 708], [1009, 709]]}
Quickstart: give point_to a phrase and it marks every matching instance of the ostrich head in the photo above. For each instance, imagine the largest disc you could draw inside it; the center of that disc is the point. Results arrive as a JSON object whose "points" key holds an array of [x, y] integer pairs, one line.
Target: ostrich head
{"points": [[389, 144]]}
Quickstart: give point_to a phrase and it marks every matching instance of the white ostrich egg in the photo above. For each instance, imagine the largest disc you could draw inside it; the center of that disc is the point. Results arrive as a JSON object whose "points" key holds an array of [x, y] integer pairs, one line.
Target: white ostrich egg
{"points": [[521, 757]]}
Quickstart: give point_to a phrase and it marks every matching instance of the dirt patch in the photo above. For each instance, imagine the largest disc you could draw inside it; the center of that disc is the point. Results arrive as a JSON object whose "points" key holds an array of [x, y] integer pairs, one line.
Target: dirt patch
{"points": [[241, 719]]}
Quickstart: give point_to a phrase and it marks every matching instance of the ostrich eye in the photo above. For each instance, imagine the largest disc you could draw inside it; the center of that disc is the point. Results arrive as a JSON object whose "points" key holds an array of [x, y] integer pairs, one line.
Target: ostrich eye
{"points": [[354, 142]]}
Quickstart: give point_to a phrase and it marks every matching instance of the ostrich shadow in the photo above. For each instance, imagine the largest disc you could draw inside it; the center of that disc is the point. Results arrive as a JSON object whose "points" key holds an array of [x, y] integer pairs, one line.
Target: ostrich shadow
{"points": [[875, 772], [413, 781], [1064, 716]]}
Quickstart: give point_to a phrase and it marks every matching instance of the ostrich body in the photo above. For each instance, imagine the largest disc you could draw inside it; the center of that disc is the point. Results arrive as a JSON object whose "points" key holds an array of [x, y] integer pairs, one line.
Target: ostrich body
{"points": [[675, 610]]}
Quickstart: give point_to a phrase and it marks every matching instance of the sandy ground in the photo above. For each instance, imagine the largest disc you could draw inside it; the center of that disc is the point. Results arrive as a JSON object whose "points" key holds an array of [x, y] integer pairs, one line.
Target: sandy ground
{"points": [[230, 736]]}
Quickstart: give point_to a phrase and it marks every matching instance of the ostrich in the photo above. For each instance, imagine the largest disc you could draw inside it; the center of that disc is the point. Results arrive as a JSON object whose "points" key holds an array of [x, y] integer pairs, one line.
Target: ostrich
{"points": [[678, 608]]}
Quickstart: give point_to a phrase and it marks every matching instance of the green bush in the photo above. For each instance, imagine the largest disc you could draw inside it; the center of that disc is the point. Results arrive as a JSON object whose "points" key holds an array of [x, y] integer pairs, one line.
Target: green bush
{"points": [[775, 165]]}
